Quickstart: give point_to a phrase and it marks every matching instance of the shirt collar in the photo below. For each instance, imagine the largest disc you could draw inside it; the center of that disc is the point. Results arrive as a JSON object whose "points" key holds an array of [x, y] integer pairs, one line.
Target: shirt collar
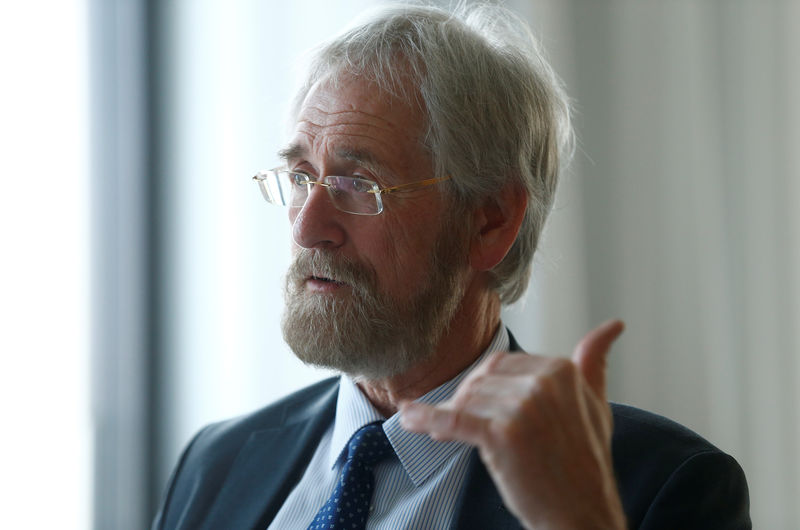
{"points": [[419, 454], [353, 411]]}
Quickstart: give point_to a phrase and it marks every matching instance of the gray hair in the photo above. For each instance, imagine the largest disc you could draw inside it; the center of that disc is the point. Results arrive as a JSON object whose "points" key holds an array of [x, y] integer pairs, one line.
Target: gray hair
{"points": [[496, 111]]}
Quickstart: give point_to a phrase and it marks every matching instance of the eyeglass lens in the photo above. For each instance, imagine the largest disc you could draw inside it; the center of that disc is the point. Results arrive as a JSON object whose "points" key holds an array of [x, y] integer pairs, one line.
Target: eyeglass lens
{"points": [[348, 194]]}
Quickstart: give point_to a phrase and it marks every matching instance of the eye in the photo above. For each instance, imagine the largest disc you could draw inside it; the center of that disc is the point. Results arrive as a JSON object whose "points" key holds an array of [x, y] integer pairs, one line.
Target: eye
{"points": [[361, 186], [300, 179]]}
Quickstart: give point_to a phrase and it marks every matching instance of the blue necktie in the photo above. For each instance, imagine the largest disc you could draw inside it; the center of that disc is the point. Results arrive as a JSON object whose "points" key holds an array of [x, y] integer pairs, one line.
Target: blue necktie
{"points": [[348, 505]]}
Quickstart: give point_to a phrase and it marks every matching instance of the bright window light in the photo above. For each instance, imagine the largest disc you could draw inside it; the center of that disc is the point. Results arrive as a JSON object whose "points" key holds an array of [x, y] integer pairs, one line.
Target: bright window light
{"points": [[44, 273]]}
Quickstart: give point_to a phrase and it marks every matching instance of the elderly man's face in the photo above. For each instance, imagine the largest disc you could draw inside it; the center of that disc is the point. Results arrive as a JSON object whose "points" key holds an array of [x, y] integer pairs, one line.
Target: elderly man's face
{"points": [[369, 295]]}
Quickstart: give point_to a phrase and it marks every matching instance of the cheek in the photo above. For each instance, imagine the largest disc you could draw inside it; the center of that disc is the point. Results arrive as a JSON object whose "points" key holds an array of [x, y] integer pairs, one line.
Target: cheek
{"points": [[383, 247], [407, 250]]}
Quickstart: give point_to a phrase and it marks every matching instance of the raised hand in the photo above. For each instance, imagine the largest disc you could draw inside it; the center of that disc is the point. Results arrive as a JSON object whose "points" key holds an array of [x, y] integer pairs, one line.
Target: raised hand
{"points": [[543, 428]]}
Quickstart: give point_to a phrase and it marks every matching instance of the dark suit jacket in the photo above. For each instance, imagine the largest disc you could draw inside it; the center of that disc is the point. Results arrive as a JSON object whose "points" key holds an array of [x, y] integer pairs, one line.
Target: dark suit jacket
{"points": [[237, 474]]}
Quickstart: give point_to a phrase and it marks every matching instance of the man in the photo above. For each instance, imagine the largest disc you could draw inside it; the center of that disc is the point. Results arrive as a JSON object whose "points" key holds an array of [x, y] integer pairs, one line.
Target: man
{"points": [[423, 163]]}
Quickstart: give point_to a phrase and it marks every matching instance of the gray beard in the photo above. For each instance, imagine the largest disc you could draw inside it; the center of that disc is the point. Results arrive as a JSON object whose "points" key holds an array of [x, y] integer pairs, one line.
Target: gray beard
{"points": [[365, 333]]}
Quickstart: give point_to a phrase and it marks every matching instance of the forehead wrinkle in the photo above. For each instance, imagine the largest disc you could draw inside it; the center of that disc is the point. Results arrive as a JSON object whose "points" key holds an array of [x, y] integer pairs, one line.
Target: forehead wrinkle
{"points": [[372, 122], [347, 150], [337, 127], [316, 127], [343, 150], [320, 110]]}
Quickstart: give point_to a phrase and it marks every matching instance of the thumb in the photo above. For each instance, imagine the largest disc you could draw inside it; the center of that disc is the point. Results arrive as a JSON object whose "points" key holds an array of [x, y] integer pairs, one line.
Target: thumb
{"points": [[592, 351]]}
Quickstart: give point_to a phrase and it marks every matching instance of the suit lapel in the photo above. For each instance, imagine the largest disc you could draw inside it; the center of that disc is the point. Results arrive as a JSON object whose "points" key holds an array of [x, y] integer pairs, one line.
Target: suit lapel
{"points": [[513, 345], [258, 482], [479, 505]]}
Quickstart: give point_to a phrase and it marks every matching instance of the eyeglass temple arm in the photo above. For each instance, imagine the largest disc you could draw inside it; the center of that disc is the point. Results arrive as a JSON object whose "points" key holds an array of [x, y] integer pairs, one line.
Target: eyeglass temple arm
{"points": [[413, 185]]}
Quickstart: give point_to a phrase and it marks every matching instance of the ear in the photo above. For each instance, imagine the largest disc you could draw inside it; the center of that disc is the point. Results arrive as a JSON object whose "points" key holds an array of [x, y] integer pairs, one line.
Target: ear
{"points": [[495, 226]]}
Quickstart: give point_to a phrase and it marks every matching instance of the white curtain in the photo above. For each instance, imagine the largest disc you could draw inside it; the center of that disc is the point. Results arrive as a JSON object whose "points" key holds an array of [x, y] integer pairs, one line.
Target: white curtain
{"points": [[678, 214]]}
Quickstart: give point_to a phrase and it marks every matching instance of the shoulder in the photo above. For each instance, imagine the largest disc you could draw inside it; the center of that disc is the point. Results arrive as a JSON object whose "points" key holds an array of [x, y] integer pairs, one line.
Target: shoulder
{"points": [[223, 438], [637, 429], [666, 472], [298, 406], [211, 455]]}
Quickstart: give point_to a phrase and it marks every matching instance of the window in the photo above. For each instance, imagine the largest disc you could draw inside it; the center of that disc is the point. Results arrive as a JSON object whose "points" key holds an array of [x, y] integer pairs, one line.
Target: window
{"points": [[45, 300]]}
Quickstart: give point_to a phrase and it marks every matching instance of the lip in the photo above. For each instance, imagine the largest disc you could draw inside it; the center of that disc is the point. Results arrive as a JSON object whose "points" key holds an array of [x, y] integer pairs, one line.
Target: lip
{"points": [[323, 285]]}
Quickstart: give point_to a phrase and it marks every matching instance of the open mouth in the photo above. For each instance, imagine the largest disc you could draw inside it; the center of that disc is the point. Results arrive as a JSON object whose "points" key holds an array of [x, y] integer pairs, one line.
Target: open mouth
{"points": [[325, 280]]}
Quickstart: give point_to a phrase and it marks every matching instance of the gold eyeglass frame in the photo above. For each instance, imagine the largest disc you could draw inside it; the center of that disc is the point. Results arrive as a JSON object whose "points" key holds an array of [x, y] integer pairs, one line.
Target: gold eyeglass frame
{"points": [[410, 186]]}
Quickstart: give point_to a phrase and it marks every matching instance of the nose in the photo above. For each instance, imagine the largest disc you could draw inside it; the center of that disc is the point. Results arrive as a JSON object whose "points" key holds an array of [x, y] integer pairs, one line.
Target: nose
{"points": [[317, 224]]}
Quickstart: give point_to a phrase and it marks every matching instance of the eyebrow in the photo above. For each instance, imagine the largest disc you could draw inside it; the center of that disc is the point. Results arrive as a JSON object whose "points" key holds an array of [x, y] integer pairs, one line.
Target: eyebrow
{"points": [[292, 152], [365, 159], [361, 157]]}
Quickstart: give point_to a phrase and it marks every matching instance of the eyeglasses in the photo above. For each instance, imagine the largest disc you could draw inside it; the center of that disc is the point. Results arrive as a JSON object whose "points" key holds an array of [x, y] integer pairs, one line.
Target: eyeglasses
{"points": [[349, 194]]}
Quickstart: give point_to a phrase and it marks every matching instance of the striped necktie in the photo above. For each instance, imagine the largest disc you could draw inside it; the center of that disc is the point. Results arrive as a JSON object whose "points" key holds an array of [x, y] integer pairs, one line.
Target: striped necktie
{"points": [[348, 505]]}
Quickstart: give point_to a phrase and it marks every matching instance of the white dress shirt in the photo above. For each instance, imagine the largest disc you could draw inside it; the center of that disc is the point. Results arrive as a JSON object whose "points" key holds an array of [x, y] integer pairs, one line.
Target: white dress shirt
{"points": [[416, 490]]}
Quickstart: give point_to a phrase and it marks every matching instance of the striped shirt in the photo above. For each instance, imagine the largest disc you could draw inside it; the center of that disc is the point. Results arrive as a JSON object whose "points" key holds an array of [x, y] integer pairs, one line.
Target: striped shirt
{"points": [[418, 489]]}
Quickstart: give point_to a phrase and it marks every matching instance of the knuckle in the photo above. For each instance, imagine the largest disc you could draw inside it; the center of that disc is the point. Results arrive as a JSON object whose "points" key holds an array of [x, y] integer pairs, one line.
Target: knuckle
{"points": [[558, 372], [508, 432], [530, 405], [451, 422], [492, 364], [562, 366], [455, 421], [473, 383]]}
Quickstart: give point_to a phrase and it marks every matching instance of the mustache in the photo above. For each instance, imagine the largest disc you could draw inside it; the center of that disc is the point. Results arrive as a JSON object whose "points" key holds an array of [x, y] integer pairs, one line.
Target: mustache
{"points": [[323, 264]]}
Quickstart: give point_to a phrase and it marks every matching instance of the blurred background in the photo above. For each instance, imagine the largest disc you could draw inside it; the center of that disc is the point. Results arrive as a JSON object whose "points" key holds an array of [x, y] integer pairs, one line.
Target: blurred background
{"points": [[142, 271]]}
